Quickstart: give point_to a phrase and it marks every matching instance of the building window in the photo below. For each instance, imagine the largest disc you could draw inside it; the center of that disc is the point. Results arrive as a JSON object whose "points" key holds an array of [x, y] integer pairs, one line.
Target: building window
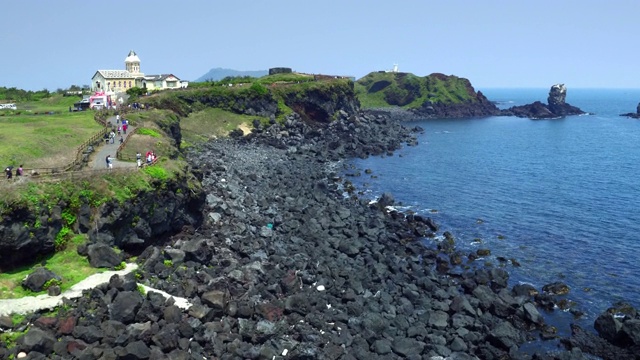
{"points": [[171, 84], [129, 83], [125, 84], [108, 84], [119, 84], [158, 84]]}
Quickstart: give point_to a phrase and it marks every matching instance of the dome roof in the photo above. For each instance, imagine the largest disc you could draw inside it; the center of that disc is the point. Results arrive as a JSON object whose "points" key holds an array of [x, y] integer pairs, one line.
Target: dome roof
{"points": [[132, 57]]}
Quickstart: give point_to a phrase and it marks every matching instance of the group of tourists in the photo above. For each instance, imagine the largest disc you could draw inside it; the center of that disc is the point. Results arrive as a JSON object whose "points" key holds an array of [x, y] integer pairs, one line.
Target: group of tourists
{"points": [[9, 171], [150, 158]]}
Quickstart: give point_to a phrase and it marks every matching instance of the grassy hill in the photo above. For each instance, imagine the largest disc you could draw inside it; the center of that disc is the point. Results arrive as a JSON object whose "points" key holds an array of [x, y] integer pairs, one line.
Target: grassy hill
{"points": [[385, 89]]}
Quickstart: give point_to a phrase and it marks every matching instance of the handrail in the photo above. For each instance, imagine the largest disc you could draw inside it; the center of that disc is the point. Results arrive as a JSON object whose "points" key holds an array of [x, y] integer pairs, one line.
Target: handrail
{"points": [[68, 170], [119, 155]]}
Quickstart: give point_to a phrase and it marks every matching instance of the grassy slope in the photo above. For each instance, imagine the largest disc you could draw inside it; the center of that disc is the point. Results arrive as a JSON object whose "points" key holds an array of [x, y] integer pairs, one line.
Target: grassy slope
{"points": [[73, 268], [44, 140], [437, 88], [211, 123]]}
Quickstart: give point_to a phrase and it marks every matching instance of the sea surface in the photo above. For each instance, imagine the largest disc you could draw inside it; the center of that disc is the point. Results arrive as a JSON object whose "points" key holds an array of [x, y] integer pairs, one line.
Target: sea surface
{"points": [[560, 196]]}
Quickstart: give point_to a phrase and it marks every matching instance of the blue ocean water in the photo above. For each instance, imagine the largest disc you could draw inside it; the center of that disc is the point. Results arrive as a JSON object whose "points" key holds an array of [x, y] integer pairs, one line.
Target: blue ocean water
{"points": [[560, 196]]}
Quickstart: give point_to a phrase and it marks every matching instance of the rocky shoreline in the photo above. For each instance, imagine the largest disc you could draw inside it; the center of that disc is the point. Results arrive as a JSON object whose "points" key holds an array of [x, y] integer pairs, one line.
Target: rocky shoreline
{"points": [[291, 264]]}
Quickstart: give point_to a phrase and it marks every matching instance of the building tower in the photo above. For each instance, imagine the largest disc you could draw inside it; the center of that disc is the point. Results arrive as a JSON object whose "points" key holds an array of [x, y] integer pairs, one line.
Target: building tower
{"points": [[132, 63]]}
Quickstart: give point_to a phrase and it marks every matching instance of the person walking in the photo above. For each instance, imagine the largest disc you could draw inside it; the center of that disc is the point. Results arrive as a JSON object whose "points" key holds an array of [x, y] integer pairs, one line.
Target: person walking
{"points": [[109, 161], [139, 159]]}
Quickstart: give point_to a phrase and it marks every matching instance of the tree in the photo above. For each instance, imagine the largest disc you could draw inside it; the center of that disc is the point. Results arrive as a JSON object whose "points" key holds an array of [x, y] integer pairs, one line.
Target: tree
{"points": [[136, 92]]}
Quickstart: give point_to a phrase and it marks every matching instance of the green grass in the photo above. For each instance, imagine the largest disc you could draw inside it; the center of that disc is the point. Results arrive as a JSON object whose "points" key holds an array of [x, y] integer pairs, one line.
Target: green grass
{"points": [[149, 132], [10, 338], [212, 123], [72, 267], [56, 103], [291, 77], [44, 141], [379, 89]]}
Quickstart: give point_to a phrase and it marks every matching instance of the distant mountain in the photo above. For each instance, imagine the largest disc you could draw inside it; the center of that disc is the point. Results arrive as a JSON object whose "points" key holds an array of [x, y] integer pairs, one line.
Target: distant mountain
{"points": [[220, 73]]}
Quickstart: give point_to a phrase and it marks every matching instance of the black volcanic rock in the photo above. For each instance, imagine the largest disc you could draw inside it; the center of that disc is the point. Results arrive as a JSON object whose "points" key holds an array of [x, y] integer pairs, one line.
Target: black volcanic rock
{"points": [[635, 115], [556, 107]]}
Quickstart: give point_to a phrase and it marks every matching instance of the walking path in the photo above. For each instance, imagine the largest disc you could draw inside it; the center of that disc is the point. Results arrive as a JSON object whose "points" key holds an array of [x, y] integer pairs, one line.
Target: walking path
{"points": [[29, 304], [103, 150]]}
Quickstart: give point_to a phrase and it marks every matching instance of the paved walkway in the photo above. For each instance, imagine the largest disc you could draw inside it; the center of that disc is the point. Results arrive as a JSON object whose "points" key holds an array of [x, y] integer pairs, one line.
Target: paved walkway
{"points": [[103, 150], [29, 304]]}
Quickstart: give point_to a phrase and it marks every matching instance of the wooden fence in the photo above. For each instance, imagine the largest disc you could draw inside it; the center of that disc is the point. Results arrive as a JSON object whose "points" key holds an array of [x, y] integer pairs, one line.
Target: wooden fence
{"points": [[73, 170], [119, 154]]}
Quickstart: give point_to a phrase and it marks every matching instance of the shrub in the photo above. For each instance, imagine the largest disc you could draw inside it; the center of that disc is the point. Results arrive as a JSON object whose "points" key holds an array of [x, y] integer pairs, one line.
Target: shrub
{"points": [[150, 132], [259, 89], [62, 238], [50, 283], [156, 172]]}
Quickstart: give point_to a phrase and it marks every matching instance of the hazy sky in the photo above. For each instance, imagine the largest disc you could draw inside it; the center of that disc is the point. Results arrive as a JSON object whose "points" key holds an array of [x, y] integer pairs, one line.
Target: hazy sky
{"points": [[506, 43]]}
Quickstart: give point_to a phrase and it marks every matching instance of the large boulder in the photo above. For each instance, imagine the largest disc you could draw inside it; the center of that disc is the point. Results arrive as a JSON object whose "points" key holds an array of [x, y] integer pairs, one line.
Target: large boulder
{"points": [[37, 279], [125, 306], [103, 256], [37, 340]]}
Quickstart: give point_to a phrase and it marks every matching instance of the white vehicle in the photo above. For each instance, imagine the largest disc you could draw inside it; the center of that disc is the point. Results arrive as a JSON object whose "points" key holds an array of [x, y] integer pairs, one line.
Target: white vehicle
{"points": [[8, 107]]}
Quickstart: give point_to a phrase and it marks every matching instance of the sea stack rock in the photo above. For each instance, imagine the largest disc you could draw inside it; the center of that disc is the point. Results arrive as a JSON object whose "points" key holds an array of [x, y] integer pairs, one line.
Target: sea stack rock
{"points": [[557, 95], [556, 107]]}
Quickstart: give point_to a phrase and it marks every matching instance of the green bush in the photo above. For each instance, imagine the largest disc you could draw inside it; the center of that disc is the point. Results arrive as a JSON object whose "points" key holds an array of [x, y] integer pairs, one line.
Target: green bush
{"points": [[156, 172], [62, 238], [149, 132], [50, 283], [259, 89]]}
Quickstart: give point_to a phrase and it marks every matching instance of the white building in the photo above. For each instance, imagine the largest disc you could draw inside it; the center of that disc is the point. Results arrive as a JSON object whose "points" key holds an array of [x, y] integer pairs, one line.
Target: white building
{"points": [[117, 81]]}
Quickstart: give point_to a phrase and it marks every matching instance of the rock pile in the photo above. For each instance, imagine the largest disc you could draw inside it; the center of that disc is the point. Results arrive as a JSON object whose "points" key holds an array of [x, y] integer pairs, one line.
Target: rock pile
{"points": [[289, 265]]}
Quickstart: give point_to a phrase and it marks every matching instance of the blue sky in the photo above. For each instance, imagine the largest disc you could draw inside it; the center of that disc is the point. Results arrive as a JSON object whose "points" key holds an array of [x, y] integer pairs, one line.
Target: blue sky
{"points": [[493, 43]]}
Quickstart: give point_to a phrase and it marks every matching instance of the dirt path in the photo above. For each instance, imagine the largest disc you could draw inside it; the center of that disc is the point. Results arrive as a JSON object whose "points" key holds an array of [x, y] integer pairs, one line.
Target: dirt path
{"points": [[105, 149], [29, 304]]}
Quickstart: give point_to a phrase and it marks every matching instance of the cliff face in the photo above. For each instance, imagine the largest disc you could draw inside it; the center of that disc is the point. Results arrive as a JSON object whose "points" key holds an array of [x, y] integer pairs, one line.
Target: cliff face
{"points": [[477, 107], [26, 234], [320, 102], [315, 101]]}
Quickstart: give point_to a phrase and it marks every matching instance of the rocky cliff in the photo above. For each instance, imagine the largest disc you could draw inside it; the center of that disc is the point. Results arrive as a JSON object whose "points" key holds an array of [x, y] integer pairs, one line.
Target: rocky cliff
{"points": [[318, 101], [433, 96], [556, 106], [28, 232]]}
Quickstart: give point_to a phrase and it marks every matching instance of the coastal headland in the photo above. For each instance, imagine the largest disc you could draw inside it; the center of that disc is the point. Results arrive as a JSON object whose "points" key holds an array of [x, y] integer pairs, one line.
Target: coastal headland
{"points": [[282, 259]]}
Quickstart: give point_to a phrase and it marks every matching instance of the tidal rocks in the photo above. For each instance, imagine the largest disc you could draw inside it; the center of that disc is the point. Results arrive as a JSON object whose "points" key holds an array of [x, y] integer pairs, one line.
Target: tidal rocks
{"points": [[635, 115], [556, 106]]}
